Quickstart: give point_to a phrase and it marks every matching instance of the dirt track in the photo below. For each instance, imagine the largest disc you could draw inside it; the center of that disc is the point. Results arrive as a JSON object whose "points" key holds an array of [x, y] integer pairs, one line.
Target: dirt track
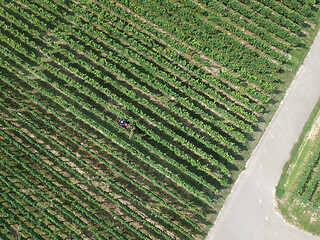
{"points": [[250, 211]]}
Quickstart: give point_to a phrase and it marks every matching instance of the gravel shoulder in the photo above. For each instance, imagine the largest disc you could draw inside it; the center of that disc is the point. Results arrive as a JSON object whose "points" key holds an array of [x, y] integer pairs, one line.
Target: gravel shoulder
{"points": [[250, 211]]}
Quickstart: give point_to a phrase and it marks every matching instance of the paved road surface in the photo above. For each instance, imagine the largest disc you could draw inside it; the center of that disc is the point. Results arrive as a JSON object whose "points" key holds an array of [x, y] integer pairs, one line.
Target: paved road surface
{"points": [[250, 210]]}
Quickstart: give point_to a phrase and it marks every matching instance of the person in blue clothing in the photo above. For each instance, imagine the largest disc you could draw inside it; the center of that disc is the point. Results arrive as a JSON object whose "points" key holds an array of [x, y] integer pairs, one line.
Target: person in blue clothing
{"points": [[123, 122]]}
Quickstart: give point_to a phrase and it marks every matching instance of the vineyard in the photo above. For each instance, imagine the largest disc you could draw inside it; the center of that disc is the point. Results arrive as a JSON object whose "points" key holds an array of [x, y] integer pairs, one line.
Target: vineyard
{"points": [[298, 190], [196, 77]]}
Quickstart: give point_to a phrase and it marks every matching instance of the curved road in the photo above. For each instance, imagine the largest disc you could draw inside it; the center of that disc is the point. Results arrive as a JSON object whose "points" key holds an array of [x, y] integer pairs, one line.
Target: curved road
{"points": [[250, 209]]}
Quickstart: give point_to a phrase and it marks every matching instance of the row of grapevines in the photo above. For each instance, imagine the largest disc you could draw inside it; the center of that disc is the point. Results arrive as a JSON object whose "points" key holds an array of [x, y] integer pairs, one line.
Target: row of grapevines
{"points": [[67, 181], [209, 29], [283, 10], [271, 27], [93, 43], [30, 219], [172, 161], [27, 199], [151, 108], [215, 17], [156, 34], [6, 229], [76, 187], [126, 193], [49, 67], [268, 13], [219, 44], [238, 18], [9, 214], [302, 7], [44, 194], [194, 191], [148, 103], [102, 145], [220, 57], [101, 174], [159, 58], [307, 182]]}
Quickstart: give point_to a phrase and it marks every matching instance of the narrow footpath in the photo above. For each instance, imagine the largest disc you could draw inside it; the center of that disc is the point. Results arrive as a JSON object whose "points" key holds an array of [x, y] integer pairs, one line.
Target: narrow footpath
{"points": [[250, 211]]}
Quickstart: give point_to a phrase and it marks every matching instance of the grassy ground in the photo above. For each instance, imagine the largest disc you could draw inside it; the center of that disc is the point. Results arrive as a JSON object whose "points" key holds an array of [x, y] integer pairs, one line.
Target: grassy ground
{"points": [[293, 206]]}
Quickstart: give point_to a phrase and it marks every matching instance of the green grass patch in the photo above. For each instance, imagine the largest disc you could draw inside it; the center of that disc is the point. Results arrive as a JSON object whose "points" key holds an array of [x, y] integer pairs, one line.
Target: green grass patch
{"points": [[301, 212]]}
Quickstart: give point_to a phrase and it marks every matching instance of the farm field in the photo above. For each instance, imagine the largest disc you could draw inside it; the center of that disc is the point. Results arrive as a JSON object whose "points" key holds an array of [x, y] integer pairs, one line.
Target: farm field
{"points": [[199, 79], [298, 190]]}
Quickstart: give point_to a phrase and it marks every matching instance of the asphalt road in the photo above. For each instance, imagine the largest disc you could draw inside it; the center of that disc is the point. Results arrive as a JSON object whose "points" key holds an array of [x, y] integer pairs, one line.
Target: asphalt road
{"points": [[250, 210]]}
